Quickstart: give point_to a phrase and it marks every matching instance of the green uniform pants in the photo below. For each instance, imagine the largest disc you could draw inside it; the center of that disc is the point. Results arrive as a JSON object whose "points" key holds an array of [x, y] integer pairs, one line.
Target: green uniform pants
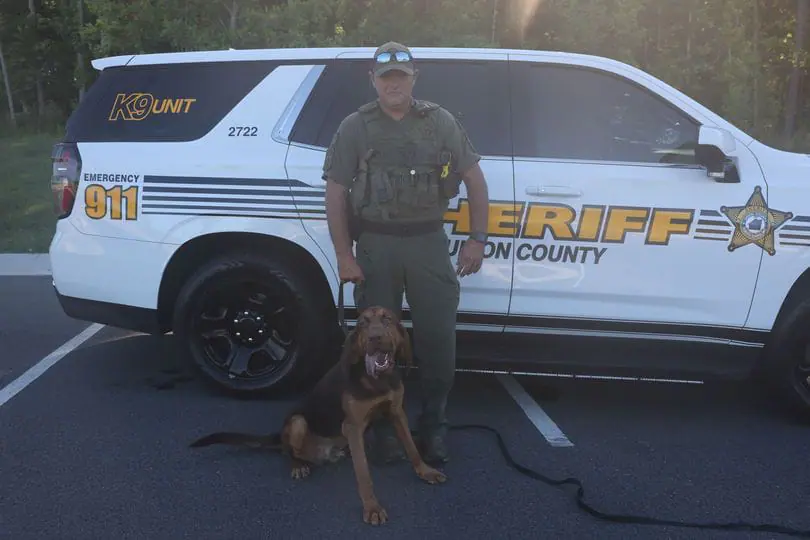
{"points": [[419, 266]]}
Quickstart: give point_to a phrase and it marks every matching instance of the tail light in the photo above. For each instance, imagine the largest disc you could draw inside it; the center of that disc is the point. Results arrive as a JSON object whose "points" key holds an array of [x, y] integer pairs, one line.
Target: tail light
{"points": [[67, 165]]}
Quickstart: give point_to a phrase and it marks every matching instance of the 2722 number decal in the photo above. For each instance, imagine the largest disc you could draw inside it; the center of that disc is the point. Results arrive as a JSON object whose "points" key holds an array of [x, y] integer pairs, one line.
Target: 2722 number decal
{"points": [[242, 131], [115, 202]]}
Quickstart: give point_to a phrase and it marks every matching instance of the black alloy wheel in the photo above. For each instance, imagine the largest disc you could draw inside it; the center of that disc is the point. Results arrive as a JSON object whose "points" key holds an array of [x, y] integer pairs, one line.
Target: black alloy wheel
{"points": [[787, 359], [801, 372], [245, 328], [251, 323]]}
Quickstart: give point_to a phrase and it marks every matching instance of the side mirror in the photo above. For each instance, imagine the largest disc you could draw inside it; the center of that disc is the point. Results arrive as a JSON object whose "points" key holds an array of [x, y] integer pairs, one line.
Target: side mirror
{"points": [[713, 151]]}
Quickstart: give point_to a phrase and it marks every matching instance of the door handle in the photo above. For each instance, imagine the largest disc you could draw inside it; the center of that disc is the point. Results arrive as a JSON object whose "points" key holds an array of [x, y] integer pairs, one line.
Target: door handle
{"points": [[553, 191]]}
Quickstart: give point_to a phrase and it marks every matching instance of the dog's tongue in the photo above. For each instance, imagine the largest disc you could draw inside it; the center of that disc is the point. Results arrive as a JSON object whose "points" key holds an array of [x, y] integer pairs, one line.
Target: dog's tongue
{"points": [[375, 363]]}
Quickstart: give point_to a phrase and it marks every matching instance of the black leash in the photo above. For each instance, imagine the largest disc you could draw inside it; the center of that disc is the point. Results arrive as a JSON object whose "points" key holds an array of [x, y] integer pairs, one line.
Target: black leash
{"points": [[615, 518], [619, 518], [341, 318]]}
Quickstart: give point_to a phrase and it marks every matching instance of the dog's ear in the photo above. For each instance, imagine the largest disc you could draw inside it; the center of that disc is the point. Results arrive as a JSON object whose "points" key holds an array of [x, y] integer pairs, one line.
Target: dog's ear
{"points": [[404, 349], [352, 351]]}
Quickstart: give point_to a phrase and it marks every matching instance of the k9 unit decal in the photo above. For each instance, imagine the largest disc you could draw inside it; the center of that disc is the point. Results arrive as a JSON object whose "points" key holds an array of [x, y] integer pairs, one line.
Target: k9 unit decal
{"points": [[137, 106]]}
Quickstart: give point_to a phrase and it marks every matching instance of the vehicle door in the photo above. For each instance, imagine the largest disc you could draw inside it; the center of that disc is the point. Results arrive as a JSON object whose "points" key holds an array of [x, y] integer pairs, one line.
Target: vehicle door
{"points": [[476, 93], [622, 231]]}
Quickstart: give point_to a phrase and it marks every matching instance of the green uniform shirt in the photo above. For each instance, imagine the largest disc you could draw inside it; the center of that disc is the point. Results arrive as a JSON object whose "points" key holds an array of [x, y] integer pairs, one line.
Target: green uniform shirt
{"points": [[348, 144]]}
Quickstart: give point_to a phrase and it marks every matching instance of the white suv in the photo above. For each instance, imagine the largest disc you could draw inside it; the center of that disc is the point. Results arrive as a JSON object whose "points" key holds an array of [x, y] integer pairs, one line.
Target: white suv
{"points": [[632, 231]]}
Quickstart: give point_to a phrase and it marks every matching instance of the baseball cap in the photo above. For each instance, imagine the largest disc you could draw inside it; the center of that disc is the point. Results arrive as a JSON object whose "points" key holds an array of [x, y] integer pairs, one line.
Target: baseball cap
{"points": [[393, 55]]}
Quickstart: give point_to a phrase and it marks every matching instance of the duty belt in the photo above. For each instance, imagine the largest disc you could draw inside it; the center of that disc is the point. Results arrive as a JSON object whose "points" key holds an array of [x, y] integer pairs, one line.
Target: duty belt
{"points": [[399, 229]]}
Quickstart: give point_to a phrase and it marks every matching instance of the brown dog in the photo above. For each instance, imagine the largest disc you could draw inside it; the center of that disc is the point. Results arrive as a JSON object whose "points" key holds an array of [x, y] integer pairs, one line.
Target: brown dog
{"points": [[363, 385]]}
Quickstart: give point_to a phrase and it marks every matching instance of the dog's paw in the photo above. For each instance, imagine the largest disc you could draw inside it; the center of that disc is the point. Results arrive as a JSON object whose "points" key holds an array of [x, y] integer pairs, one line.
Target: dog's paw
{"points": [[337, 454], [431, 475], [299, 472], [374, 514]]}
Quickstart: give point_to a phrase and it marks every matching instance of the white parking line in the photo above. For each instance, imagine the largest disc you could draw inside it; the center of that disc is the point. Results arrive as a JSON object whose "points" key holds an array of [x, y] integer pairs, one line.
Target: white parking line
{"points": [[544, 424], [34, 372], [25, 264]]}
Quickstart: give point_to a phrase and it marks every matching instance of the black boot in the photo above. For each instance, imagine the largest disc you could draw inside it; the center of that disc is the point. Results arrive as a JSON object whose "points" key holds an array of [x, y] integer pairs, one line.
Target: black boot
{"points": [[433, 425], [433, 447]]}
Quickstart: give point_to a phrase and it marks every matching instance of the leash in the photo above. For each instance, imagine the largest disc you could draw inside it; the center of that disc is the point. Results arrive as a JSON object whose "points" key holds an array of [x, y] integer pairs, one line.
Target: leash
{"points": [[625, 518], [341, 317], [580, 496]]}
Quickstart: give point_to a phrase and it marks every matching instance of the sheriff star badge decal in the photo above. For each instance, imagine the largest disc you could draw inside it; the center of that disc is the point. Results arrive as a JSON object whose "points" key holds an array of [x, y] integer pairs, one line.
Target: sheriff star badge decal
{"points": [[755, 223]]}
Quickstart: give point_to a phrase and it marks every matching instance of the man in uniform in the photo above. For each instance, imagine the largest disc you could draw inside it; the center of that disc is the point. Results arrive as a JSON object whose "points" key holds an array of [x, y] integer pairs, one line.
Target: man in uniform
{"points": [[391, 169]]}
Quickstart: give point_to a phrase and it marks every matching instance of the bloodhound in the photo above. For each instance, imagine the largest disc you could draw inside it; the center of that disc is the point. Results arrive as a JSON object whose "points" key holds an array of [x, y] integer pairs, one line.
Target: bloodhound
{"points": [[365, 384]]}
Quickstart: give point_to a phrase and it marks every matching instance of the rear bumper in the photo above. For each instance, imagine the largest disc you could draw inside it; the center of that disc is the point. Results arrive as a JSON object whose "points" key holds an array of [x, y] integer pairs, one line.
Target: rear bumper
{"points": [[110, 270], [105, 280], [127, 317]]}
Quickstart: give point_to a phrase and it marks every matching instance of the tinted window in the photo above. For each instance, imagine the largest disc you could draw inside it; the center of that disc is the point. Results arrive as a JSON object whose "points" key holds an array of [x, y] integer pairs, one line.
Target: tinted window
{"points": [[170, 102], [578, 113], [341, 89], [475, 92]]}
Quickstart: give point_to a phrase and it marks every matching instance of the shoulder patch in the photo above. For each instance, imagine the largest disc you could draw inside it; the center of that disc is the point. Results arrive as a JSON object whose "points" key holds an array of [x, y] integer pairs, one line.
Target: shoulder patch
{"points": [[424, 106], [370, 106]]}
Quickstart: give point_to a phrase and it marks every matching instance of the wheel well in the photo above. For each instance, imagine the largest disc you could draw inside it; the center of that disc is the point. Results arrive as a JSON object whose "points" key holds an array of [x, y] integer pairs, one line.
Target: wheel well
{"points": [[798, 292], [196, 252]]}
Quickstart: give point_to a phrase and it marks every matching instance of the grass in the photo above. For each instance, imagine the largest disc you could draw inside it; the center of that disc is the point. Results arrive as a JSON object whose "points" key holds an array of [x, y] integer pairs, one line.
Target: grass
{"points": [[27, 219]]}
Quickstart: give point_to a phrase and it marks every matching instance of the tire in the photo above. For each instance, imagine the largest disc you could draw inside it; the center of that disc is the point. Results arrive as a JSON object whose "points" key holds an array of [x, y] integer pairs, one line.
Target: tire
{"points": [[787, 360], [243, 302]]}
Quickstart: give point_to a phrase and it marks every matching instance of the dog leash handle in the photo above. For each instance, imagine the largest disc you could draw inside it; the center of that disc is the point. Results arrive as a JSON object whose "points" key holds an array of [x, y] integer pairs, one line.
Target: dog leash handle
{"points": [[341, 318]]}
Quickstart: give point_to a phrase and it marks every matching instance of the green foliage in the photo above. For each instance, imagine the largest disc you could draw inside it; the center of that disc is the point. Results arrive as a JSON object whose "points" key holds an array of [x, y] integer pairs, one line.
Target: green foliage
{"points": [[26, 216], [734, 57]]}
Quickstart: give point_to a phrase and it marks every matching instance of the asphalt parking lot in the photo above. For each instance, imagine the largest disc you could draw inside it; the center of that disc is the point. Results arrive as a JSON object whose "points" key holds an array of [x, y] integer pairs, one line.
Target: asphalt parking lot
{"points": [[96, 447]]}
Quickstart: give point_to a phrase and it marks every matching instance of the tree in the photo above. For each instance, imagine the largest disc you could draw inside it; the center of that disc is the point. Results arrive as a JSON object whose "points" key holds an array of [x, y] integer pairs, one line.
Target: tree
{"points": [[746, 60], [799, 62], [8, 87]]}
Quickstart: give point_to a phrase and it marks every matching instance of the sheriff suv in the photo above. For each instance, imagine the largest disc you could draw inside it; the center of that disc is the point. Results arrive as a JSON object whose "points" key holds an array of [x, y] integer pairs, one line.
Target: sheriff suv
{"points": [[632, 230]]}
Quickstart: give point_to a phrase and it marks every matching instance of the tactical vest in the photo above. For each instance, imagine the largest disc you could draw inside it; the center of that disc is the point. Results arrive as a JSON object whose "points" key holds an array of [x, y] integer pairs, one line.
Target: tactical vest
{"points": [[404, 177]]}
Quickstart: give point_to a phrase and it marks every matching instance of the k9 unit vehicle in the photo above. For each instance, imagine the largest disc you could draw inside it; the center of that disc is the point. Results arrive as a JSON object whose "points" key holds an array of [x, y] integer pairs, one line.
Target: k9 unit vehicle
{"points": [[631, 230]]}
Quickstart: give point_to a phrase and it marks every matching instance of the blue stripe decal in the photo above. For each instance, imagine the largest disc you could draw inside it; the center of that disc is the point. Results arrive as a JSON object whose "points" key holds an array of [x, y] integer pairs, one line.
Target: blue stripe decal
{"points": [[253, 201], [202, 209], [262, 215], [222, 180], [217, 190]]}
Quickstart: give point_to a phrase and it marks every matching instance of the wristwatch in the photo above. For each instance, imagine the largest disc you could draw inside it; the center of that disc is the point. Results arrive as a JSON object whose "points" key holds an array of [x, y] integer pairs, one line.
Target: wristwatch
{"points": [[479, 236]]}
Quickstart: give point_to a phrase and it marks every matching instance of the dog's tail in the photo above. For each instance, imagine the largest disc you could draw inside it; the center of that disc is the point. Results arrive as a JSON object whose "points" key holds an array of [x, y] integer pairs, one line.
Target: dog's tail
{"points": [[269, 442]]}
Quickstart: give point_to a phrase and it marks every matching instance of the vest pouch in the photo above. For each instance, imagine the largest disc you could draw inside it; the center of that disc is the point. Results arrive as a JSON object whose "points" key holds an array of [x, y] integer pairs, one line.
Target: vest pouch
{"points": [[427, 191], [382, 188], [407, 185], [383, 194], [451, 186], [359, 193], [449, 180]]}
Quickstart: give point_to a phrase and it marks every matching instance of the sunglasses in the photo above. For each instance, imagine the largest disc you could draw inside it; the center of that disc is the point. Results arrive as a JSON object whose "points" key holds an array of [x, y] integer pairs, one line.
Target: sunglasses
{"points": [[397, 56]]}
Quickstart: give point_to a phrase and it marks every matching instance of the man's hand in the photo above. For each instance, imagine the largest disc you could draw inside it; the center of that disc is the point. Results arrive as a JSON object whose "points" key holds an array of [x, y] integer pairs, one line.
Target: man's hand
{"points": [[470, 258], [349, 270], [472, 253]]}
